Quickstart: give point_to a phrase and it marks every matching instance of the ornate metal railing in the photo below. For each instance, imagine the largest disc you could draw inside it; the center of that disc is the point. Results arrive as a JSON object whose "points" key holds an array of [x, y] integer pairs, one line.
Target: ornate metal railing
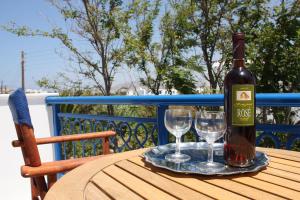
{"points": [[136, 132]]}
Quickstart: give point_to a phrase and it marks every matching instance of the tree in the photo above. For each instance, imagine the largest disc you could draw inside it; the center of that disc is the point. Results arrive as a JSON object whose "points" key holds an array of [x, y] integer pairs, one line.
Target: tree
{"points": [[200, 25], [274, 54], [247, 17], [159, 59], [272, 42], [97, 22]]}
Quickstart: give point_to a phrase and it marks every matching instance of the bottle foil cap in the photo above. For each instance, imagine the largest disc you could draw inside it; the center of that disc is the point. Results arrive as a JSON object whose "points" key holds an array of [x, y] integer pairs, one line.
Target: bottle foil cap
{"points": [[238, 40]]}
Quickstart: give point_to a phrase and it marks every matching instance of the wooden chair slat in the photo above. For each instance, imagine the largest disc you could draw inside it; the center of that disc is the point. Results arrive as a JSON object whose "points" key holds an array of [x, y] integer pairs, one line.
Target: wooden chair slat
{"points": [[66, 138]]}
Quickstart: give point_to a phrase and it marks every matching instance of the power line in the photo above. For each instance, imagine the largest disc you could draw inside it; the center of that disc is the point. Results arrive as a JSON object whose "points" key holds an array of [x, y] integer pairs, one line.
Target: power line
{"points": [[42, 54], [47, 63], [44, 59], [40, 51]]}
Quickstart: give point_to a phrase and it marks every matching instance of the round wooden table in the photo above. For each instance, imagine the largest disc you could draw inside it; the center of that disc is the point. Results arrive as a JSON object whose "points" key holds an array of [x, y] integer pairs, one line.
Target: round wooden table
{"points": [[128, 176]]}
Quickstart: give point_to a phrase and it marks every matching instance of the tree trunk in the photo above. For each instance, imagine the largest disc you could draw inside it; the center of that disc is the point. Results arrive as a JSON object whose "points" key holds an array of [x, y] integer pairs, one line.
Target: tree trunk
{"points": [[287, 112], [264, 115], [110, 110], [107, 83]]}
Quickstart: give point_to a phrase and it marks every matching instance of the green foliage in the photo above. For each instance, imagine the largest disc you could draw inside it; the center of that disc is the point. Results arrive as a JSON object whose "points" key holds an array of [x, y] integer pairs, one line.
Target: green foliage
{"points": [[180, 79], [275, 52], [66, 86], [161, 62]]}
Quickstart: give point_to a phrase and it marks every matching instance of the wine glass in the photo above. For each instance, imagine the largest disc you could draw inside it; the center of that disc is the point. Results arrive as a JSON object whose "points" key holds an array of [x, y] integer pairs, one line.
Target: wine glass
{"points": [[178, 122], [210, 125]]}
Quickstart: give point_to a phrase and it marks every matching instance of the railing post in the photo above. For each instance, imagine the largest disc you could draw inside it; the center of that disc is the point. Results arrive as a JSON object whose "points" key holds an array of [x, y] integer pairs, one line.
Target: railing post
{"points": [[56, 131], [163, 134]]}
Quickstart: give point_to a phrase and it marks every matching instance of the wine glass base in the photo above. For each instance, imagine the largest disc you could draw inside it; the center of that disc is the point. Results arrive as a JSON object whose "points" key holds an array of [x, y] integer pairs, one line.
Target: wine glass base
{"points": [[210, 167], [177, 158]]}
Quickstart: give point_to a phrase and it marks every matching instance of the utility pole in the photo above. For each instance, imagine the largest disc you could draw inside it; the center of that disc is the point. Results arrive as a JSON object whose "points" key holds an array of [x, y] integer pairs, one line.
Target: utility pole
{"points": [[23, 70]]}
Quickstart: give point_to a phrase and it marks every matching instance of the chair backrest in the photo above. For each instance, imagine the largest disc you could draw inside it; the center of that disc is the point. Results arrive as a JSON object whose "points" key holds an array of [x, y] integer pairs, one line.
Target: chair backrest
{"points": [[18, 105]]}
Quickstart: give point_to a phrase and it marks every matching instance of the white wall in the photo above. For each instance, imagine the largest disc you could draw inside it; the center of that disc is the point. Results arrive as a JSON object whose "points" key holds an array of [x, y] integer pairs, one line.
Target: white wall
{"points": [[12, 184]]}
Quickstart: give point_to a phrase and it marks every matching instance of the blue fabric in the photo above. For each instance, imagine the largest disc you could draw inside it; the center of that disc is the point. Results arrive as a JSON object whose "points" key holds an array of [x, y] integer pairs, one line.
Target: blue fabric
{"points": [[18, 105]]}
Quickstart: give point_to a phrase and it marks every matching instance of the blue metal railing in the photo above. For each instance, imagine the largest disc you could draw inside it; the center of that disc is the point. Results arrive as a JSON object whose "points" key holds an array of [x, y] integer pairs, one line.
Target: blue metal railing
{"points": [[267, 99], [128, 127]]}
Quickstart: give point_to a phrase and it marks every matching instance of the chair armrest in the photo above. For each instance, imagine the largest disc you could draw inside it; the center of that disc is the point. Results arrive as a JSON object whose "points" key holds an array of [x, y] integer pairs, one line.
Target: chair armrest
{"points": [[66, 138], [55, 167]]}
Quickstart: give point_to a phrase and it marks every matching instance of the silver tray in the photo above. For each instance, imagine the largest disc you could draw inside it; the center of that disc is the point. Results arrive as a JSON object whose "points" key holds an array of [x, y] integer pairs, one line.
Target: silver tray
{"points": [[198, 153]]}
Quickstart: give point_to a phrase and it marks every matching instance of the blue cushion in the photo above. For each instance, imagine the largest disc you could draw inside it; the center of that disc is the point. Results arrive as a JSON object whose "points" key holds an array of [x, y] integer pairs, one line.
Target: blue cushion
{"points": [[18, 105]]}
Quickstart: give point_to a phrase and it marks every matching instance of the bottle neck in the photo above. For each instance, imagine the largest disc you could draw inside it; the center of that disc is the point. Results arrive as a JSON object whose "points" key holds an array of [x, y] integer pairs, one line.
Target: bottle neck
{"points": [[238, 40], [237, 63]]}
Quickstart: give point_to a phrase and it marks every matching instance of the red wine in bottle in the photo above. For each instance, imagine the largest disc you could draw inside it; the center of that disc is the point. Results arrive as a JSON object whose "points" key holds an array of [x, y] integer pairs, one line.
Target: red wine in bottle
{"points": [[239, 97]]}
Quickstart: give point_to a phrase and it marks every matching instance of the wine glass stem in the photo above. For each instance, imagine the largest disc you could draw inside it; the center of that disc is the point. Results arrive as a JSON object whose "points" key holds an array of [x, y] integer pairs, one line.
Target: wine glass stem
{"points": [[210, 153], [177, 150]]}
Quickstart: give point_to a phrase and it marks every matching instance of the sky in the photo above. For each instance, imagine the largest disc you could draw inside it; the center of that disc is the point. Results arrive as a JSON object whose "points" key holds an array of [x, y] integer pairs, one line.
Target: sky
{"points": [[42, 57]]}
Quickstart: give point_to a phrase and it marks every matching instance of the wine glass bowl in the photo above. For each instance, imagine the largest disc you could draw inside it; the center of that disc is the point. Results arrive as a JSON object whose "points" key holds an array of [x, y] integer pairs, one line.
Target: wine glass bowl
{"points": [[178, 122], [211, 126]]}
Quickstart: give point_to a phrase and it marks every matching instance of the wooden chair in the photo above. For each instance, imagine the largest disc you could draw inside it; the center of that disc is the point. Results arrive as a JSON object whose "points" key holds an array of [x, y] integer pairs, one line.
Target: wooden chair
{"points": [[34, 168]]}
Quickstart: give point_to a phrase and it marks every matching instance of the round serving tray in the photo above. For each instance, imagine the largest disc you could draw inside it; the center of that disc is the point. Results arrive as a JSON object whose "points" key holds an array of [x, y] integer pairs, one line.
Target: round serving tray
{"points": [[198, 153]]}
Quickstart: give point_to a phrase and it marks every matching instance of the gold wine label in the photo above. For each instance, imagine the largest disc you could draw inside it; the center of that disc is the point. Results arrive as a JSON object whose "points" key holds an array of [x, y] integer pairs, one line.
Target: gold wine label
{"points": [[243, 105]]}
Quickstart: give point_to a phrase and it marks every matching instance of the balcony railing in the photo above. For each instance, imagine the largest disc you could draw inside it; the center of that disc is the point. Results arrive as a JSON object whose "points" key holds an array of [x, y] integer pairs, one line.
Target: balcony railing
{"points": [[136, 132]]}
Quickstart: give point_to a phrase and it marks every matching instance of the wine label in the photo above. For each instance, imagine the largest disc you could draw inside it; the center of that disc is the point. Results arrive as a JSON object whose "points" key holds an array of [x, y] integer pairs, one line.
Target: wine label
{"points": [[243, 105]]}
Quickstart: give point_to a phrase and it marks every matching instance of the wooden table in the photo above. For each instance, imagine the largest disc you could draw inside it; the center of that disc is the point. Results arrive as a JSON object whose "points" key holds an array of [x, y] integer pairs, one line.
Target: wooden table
{"points": [[128, 176]]}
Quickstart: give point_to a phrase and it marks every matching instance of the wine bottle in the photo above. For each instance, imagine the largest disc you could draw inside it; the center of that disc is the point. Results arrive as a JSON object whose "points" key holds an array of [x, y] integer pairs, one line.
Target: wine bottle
{"points": [[239, 104]]}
